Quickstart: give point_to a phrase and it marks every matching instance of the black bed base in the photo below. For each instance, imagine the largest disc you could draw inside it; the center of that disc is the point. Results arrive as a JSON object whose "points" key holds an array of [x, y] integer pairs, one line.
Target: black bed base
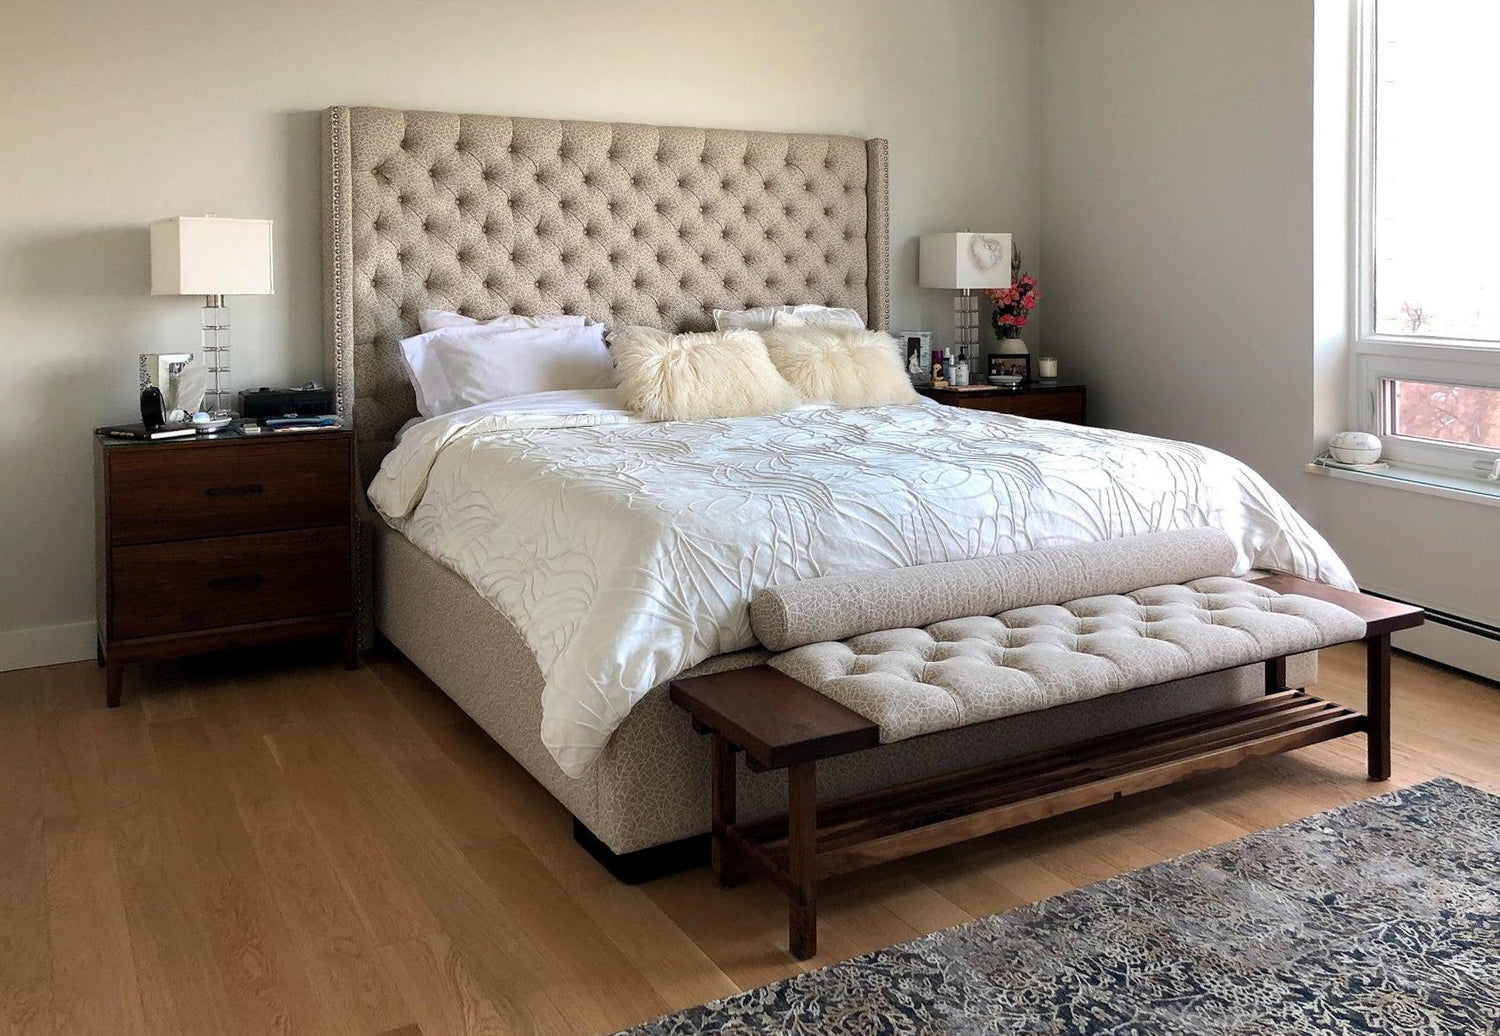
{"points": [[645, 864]]}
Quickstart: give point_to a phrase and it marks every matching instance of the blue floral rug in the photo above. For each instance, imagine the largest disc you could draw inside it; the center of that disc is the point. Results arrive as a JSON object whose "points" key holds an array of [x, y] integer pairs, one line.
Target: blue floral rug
{"points": [[1381, 916]]}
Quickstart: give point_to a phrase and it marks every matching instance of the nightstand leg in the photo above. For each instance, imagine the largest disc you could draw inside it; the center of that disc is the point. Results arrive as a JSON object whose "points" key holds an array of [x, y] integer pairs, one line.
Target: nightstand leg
{"points": [[114, 676], [351, 646], [99, 652]]}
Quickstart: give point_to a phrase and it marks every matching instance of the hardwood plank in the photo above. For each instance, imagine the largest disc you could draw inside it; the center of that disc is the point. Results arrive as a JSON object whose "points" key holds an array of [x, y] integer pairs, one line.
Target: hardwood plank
{"points": [[181, 987], [92, 969], [348, 979], [566, 941], [679, 970], [435, 981], [25, 943], [256, 956], [502, 954]]}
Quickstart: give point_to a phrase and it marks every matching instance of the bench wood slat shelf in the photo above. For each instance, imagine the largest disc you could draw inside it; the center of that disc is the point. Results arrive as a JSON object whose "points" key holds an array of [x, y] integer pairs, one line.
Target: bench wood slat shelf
{"points": [[779, 722]]}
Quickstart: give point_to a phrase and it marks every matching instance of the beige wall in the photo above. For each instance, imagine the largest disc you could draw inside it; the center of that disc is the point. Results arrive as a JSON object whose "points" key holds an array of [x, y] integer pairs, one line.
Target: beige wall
{"points": [[114, 114], [1178, 205]]}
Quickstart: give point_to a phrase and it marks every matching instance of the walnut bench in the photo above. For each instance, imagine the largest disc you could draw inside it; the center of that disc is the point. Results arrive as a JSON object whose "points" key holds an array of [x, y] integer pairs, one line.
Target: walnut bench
{"points": [[847, 696]]}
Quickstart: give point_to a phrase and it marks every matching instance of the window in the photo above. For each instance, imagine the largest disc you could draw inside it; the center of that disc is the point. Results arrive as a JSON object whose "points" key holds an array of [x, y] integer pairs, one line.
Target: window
{"points": [[1427, 291]]}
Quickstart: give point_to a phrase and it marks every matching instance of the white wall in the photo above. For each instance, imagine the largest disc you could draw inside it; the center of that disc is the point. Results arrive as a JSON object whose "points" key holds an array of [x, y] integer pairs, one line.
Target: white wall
{"points": [[1178, 205], [114, 114]]}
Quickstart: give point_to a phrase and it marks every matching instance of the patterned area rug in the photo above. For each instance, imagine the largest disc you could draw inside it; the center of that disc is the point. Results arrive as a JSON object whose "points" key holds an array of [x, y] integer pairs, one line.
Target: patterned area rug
{"points": [[1381, 916]]}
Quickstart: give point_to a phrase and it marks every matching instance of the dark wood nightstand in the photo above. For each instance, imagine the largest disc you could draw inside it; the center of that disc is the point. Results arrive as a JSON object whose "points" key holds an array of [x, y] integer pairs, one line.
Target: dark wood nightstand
{"points": [[222, 542], [1048, 400]]}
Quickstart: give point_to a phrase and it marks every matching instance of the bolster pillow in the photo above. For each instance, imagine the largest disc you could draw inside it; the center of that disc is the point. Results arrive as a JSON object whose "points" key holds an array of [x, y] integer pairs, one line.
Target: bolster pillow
{"points": [[835, 607]]}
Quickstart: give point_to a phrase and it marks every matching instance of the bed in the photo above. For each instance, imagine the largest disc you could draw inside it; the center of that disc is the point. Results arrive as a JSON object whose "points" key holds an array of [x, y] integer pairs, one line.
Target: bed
{"points": [[656, 225]]}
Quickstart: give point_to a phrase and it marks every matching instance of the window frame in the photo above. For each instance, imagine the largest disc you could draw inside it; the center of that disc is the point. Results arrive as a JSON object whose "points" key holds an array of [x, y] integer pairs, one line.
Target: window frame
{"points": [[1377, 356]]}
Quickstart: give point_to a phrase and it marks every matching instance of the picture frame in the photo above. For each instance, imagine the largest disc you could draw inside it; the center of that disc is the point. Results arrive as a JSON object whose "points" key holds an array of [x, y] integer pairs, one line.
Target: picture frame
{"points": [[916, 354], [180, 378], [1011, 364]]}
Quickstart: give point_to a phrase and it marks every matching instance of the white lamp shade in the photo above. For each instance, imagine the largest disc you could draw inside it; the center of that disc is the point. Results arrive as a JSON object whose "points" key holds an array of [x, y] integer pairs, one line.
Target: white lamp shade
{"points": [[211, 255], [964, 261]]}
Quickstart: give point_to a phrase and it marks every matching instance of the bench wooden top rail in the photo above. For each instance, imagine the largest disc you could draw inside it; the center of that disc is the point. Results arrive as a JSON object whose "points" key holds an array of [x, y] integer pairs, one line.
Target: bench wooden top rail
{"points": [[781, 722], [775, 719], [1380, 615]]}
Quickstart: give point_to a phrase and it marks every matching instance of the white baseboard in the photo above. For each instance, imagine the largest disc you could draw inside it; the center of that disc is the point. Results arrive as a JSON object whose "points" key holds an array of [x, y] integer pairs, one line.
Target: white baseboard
{"points": [[1467, 651], [46, 645]]}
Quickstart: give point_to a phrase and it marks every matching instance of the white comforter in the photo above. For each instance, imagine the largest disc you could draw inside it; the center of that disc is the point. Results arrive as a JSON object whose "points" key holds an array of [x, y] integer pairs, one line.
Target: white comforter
{"points": [[625, 552]]}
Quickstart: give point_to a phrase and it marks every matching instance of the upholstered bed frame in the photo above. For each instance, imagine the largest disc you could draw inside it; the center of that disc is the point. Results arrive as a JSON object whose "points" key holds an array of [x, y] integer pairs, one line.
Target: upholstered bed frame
{"points": [[622, 223]]}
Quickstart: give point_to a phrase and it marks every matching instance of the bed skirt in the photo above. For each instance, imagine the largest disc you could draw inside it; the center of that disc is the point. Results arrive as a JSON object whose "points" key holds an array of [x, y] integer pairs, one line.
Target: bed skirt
{"points": [[647, 786]]}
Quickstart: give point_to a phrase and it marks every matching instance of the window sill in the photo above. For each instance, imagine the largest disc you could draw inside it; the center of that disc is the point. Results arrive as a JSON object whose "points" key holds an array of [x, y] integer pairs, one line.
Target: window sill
{"points": [[1413, 479]]}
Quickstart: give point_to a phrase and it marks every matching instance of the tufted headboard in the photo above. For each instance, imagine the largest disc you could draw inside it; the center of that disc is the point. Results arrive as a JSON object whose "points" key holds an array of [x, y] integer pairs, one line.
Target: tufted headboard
{"points": [[623, 223]]}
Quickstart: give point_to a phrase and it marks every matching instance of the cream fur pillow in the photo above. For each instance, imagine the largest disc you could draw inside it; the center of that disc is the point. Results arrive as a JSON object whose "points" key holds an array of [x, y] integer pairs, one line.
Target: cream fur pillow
{"points": [[692, 377], [839, 365]]}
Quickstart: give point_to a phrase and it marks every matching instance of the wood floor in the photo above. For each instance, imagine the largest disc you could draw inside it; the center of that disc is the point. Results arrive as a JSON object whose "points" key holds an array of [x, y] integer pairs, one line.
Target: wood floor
{"points": [[277, 845]]}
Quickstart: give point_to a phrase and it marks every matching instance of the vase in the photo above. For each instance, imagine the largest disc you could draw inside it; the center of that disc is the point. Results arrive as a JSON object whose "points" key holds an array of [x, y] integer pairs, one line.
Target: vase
{"points": [[1010, 346]]}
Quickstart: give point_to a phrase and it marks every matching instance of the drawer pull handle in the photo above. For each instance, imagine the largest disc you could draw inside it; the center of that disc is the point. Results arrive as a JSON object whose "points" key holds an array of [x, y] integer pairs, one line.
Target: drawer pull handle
{"points": [[236, 490], [232, 582]]}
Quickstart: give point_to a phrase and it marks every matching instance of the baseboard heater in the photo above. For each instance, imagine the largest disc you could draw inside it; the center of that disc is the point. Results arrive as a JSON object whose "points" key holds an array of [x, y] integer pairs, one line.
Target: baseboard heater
{"points": [[1442, 618]]}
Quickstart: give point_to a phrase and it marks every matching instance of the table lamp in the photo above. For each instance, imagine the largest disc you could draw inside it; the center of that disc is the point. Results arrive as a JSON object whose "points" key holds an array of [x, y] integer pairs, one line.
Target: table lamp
{"points": [[212, 256], [964, 262]]}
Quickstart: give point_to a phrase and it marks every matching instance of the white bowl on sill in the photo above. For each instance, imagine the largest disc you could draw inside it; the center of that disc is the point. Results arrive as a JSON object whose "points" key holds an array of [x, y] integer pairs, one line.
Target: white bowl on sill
{"points": [[1354, 448]]}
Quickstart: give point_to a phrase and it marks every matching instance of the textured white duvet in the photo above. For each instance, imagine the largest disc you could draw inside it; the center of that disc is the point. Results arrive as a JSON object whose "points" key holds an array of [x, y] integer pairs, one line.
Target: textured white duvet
{"points": [[625, 552]]}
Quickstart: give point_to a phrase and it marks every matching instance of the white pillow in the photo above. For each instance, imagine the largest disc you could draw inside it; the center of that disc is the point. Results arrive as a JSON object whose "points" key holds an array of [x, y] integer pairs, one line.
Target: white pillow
{"points": [[850, 368], [422, 368], [480, 365], [819, 316], [694, 377], [762, 317], [437, 319]]}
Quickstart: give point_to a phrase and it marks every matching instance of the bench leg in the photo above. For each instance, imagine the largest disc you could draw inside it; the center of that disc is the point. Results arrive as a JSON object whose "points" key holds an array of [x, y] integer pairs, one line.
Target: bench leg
{"points": [[1378, 704], [802, 837], [721, 778]]}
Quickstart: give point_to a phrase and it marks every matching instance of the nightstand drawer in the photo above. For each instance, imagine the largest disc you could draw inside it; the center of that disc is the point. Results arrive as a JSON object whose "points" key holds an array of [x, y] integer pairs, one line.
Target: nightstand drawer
{"points": [[162, 588], [182, 491], [1054, 406]]}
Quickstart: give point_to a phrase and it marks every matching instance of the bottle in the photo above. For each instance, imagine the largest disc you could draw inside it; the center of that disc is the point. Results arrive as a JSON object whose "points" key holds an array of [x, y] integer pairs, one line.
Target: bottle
{"points": [[961, 368], [939, 369]]}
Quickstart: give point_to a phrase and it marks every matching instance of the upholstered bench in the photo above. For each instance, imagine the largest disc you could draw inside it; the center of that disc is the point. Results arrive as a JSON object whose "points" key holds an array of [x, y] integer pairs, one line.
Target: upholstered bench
{"points": [[879, 657]]}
